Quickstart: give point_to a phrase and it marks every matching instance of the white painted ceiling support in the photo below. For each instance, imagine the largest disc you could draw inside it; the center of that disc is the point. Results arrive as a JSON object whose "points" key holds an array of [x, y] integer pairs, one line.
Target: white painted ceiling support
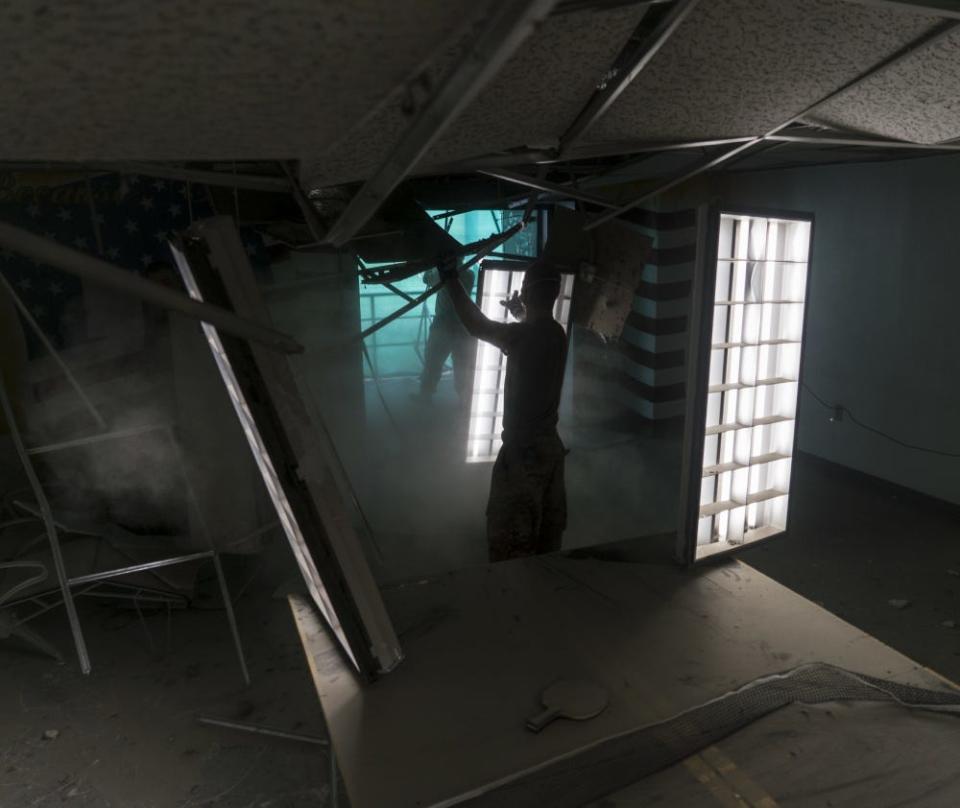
{"points": [[540, 184], [876, 143], [581, 152], [568, 6], [943, 8], [509, 23], [633, 59], [929, 38]]}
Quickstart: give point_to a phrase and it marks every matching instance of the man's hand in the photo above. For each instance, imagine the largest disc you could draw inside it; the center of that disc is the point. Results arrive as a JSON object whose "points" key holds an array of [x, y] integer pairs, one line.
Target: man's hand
{"points": [[514, 305]]}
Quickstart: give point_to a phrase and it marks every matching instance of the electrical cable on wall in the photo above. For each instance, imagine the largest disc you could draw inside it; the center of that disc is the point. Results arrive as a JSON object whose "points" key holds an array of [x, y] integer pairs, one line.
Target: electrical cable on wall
{"points": [[841, 410]]}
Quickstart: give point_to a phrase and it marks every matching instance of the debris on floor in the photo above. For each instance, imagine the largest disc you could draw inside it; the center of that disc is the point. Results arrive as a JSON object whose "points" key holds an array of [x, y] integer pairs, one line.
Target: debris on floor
{"points": [[899, 603]]}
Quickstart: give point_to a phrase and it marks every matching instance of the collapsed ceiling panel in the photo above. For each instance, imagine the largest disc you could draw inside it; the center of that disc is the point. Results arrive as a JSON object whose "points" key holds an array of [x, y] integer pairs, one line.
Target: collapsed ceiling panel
{"points": [[741, 67], [530, 102], [917, 99], [187, 80]]}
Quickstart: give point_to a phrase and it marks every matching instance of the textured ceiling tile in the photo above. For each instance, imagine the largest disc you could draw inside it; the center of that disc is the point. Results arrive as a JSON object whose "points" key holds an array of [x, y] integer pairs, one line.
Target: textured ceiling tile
{"points": [[917, 99], [541, 90], [108, 79], [533, 99], [741, 67]]}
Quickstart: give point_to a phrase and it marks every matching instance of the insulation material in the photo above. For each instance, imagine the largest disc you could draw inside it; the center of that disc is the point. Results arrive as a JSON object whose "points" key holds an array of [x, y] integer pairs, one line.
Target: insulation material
{"points": [[917, 99], [741, 67], [608, 261], [531, 101], [187, 80]]}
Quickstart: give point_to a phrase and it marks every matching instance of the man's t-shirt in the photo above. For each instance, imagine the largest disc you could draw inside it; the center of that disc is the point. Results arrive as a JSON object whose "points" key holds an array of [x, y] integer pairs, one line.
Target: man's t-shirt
{"points": [[536, 355]]}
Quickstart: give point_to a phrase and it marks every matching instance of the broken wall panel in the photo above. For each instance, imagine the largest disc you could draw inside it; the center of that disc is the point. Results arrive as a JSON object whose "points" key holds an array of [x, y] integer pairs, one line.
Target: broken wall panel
{"points": [[294, 454]]}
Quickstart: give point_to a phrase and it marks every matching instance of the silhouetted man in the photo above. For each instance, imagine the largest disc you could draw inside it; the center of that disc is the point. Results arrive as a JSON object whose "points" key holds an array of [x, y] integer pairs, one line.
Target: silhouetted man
{"points": [[448, 337], [527, 509]]}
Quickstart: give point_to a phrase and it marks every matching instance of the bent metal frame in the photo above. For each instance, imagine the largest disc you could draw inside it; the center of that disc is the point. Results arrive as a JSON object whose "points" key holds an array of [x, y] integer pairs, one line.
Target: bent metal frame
{"points": [[294, 452]]}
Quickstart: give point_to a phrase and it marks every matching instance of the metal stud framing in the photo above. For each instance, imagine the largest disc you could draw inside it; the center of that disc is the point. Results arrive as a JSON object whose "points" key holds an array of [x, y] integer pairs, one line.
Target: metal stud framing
{"points": [[508, 25]]}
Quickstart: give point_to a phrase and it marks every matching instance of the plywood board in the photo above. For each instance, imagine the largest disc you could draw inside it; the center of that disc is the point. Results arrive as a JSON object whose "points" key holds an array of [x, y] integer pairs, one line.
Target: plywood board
{"points": [[480, 645]]}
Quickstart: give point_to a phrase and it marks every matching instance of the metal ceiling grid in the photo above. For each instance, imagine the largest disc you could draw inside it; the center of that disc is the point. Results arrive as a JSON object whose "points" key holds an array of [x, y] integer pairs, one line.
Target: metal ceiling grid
{"points": [[531, 101], [739, 67], [123, 79]]}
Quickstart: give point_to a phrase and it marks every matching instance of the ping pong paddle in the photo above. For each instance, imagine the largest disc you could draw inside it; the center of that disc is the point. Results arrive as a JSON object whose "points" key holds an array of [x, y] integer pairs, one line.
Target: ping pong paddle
{"points": [[571, 699]]}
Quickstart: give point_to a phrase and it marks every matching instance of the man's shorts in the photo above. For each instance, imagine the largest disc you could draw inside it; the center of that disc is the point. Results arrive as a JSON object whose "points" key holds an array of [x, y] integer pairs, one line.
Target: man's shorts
{"points": [[527, 510]]}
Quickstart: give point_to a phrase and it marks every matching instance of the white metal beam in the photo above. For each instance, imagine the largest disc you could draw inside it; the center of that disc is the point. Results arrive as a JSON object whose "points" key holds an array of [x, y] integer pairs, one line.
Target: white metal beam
{"points": [[633, 59], [540, 184], [509, 23], [876, 143], [942, 8], [927, 39]]}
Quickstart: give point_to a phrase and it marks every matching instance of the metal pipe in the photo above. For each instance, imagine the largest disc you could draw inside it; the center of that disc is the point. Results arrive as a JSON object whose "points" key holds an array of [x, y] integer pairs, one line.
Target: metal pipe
{"points": [[71, 444], [505, 28], [247, 182], [104, 575], [257, 729], [99, 271], [48, 524], [568, 6], [38, 332], [875, 143], [399, 312], [481, 254], [495, 160], [923, 41], [576, 152], [549, 187], [618, 148], [231, 617], [399, 292], [942, 8], [628, 65], [401, 271]]}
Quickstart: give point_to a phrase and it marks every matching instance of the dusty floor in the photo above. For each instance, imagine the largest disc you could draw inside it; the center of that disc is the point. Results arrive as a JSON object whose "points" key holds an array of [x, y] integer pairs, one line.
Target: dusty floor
{"points": [[855, 545], [128, 736]]}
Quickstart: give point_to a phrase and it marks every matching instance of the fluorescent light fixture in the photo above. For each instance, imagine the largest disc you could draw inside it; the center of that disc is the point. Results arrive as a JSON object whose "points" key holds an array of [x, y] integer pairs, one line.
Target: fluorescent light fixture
{"points": [[486, 405], [755, 315]]}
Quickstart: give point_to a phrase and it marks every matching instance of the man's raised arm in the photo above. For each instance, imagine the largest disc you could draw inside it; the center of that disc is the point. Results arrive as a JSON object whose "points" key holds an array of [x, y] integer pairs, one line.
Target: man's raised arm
{"points": [[475, 321]]}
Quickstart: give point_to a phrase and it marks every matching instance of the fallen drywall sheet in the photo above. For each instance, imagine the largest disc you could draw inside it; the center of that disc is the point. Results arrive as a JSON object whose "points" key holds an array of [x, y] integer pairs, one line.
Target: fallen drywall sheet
{"points": [[481, 644]]}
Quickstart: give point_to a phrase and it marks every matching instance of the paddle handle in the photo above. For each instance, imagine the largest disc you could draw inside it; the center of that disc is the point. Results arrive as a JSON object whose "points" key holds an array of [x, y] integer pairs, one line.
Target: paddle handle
{"points": [[538, 722]]}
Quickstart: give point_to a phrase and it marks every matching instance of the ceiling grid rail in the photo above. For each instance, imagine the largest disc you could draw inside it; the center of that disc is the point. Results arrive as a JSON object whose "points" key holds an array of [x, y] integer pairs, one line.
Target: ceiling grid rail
{"points": [[507, 27], [628, 65], [935, 35]]}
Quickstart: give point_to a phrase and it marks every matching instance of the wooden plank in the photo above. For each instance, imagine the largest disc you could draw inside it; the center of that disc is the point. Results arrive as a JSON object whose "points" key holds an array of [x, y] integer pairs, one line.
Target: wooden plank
{"points": [[482, 643]]}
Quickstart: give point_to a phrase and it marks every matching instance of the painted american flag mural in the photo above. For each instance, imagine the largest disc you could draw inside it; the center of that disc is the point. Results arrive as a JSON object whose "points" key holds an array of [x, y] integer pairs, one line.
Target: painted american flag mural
{"points": [[124, 219]]}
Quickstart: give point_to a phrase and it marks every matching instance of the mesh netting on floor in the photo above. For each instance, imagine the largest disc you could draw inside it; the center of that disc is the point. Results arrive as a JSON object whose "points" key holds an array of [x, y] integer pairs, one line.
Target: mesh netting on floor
{"points": [[589, 773]]}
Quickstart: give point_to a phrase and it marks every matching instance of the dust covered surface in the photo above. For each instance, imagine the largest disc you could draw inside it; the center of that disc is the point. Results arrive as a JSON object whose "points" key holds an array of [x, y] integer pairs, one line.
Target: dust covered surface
{"points": [[127, 737]]}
